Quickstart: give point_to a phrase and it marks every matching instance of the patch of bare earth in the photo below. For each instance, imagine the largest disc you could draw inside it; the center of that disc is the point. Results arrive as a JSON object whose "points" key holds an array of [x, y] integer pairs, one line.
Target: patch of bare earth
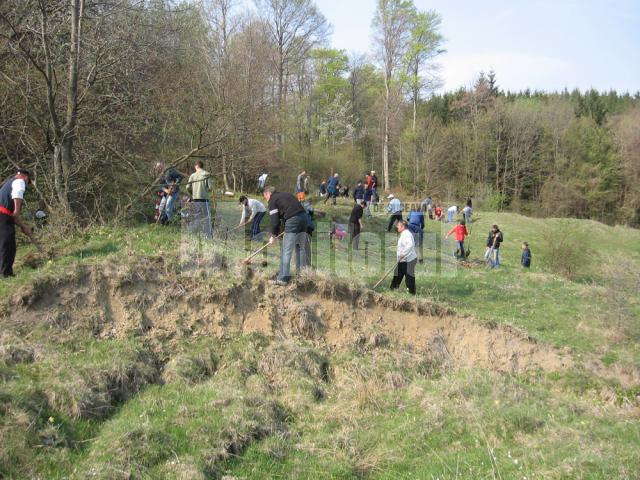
{"points": [[147, 300]]}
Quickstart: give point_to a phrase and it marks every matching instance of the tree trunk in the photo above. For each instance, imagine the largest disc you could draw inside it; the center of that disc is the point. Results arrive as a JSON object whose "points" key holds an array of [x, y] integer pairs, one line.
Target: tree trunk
{"points": [[385, 141]]}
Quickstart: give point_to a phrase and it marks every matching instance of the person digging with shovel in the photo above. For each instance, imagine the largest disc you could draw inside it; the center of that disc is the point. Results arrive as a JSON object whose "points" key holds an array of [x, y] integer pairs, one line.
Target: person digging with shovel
{"points": [[11, 200], [406, 258], [285, 207]]}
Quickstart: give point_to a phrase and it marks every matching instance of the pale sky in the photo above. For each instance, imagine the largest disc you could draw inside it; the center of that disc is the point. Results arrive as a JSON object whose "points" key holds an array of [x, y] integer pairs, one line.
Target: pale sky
{"points": [[537, 44]]}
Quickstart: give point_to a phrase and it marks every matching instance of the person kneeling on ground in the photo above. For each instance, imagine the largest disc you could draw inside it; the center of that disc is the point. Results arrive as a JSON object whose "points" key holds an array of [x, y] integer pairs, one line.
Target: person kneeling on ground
{"points": [[407, 258], [285, 207], [459, 233], [526, 256], [257, 211]]}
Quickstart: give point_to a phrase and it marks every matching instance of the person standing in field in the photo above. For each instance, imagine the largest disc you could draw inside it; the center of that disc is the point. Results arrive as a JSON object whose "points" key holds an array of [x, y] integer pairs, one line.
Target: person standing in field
{"points": [[11, 202], [407, 258], [525, 260], [262, 181], [416, 227], [332, 188], [395, 209], [200, 186], [300, 184], [358, 192], [256, 212], [452, 211], [459, 232], [494, 240], [466, 214], [169, 190], [284, 207], [355, 223]]}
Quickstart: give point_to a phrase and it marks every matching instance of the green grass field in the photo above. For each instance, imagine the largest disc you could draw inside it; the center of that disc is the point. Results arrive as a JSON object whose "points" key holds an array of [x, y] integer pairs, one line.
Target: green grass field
{"points": [[74, 405]]}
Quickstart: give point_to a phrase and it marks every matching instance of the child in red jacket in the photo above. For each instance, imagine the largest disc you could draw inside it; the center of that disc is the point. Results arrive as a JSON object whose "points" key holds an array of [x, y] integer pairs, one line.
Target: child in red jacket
{"points": [[460, 232]]}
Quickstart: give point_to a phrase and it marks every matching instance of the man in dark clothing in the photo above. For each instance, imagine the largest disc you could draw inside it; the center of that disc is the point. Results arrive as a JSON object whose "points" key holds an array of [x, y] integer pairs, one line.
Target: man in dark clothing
{"points": [[358, 192], [494, 240], [355, 223], [332, 188], [169, 190], [11, 200], [285, 207]]}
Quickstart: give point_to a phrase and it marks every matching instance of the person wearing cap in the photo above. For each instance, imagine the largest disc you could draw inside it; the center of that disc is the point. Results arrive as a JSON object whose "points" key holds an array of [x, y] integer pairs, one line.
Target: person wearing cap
{"points": [[407, 258], [11, 200], [395, 209]]}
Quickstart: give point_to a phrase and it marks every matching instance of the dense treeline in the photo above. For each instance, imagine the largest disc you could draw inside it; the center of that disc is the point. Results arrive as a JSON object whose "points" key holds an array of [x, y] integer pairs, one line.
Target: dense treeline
{"points": [[94, 92]]}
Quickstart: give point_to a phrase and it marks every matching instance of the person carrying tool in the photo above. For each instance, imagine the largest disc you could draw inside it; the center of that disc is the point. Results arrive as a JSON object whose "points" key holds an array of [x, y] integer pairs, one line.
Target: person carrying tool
{"points": [[494, 240], [355, 223], [300, 185], [11, 200], [169, 190], [460, 232], [256, 212], [200, 185], [285, 207], [406, 259], [395, 209]]}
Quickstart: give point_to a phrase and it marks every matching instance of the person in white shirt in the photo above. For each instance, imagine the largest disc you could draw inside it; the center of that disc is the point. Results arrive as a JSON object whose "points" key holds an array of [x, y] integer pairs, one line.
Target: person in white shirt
{"points": [[395, 209], [452, 211], [262, 181], [11, 201], [256, 211], [466, 215], [407, 258]]}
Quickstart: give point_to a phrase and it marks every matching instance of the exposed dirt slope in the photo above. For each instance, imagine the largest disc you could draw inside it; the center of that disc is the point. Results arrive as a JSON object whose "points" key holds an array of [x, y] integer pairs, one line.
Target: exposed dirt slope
{"points": [[149, 300]]}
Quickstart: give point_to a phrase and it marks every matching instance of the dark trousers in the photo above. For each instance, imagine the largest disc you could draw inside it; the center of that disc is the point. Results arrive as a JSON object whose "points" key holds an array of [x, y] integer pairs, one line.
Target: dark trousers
{"points": [[408, 270], [354, 235], [333, 195], [7, 245], [396, 217], [460, 250], [255, 223]]}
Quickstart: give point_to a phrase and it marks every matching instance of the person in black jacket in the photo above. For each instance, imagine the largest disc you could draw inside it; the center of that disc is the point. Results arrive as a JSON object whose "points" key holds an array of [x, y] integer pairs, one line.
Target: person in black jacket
{"points": [[286, 208], [526, 255], [355, 223], [494, 240], [358, 192]]}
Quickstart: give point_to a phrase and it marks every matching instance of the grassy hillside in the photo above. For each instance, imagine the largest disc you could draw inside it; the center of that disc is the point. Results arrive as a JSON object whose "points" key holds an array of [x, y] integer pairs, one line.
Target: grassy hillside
{"points": [[171, 389]]}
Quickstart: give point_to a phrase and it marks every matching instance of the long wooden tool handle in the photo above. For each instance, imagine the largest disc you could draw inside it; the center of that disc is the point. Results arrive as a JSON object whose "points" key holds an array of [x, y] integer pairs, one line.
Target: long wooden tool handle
{"points": [[259, 250], [386, 275], [237, 227]]}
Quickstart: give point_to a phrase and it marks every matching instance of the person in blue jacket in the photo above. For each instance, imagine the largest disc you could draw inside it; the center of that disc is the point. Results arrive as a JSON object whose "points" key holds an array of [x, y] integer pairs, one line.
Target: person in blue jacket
{"points": [[416, 226], [332, 188], [358, 192], [526, 256]]}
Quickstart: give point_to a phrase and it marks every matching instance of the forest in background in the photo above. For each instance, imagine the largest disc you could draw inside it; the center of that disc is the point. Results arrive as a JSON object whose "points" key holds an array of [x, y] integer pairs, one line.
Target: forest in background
{"points": [[94, 92]]}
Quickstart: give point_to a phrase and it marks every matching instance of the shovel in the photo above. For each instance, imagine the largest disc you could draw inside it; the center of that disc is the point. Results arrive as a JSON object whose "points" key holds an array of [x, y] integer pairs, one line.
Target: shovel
{"points": [[248, 259]]}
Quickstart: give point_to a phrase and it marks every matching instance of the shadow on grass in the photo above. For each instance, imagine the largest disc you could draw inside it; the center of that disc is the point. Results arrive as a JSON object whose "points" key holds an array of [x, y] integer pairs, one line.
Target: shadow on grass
{"points": [[99, 250]]}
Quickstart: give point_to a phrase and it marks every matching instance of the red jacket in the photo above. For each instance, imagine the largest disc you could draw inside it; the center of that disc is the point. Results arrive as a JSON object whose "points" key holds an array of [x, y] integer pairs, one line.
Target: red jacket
{"points": [[459, 232]]}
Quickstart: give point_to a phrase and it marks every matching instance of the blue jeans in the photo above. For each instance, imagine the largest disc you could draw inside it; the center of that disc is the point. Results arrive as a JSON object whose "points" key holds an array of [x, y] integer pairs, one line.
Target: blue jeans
{"points": [[495, 261], [450, 216], [295, 236], [255, 224], [166, 206], [460, 249]]}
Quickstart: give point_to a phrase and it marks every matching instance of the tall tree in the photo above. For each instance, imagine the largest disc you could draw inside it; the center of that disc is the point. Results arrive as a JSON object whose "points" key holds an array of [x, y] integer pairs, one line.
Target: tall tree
{"points": [[424, 46], [295, 27], [392, 26]]}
